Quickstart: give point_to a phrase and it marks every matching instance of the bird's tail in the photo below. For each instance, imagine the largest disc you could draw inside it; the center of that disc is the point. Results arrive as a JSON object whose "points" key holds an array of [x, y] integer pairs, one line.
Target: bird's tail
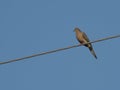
{"points": [[92, 51]]}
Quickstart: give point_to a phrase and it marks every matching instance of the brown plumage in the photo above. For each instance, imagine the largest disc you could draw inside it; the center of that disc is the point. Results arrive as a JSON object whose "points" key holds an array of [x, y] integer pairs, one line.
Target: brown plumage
{"points": [[82, 38]]}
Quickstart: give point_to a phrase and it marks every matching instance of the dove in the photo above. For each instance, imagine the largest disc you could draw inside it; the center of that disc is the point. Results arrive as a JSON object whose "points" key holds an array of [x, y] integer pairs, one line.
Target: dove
{"points": [[82, 38]]}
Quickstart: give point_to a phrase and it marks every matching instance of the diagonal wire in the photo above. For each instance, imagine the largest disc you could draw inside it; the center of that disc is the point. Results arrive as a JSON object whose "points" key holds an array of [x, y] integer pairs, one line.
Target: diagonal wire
{"points": [[56, 50]]}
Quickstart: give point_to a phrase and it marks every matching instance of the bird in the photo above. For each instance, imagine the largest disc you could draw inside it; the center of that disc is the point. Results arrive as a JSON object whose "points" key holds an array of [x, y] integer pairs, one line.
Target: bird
{"points": [[82, 38]]}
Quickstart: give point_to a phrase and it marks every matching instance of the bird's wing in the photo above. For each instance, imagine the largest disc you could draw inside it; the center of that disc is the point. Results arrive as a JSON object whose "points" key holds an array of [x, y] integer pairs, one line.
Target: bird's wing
{"points": [[85, 37]]}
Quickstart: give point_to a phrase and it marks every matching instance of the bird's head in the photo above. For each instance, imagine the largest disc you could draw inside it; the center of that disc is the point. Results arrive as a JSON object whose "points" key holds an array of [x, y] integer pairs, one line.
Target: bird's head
{"points": [[77, 29]]}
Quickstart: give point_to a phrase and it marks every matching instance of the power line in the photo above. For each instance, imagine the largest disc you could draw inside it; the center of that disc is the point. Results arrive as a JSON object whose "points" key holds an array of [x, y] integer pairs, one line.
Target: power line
{"points": [[56, 50]]}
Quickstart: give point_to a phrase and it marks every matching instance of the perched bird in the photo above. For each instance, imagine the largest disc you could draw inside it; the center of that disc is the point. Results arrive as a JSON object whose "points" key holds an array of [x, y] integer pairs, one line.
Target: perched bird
{"points": [[82, 38]]}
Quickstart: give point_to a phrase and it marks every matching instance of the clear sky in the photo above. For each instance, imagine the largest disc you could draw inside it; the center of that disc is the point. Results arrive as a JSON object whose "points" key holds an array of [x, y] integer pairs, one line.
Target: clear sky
{"points": [[32, 26]]}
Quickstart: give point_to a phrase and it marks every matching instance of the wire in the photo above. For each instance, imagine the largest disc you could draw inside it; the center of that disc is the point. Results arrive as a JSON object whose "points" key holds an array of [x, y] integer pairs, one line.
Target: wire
{"points": [[56, 50]]}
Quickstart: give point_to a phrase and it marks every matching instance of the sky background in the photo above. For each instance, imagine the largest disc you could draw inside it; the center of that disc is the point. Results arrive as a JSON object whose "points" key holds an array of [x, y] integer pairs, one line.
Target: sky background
{"points": [[32, 26]]}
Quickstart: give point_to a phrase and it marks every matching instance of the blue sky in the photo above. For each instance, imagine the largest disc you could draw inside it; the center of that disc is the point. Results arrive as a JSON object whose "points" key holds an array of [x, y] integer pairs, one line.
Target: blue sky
{"points": [[32, 26]]}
